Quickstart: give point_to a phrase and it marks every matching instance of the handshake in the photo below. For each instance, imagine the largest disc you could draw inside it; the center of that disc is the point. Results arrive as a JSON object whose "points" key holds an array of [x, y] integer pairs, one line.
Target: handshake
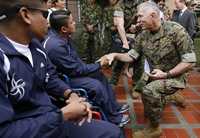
{"points": [[106, 60]]}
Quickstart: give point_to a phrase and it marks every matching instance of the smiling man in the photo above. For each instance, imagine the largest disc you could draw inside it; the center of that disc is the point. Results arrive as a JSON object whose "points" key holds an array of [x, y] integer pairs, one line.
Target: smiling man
{"points": [[168, 50]]}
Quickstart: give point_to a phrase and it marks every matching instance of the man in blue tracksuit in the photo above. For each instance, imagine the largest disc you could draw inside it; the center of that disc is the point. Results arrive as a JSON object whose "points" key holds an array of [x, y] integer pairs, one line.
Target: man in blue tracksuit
{"points": [[26, 77], [88, 76]]}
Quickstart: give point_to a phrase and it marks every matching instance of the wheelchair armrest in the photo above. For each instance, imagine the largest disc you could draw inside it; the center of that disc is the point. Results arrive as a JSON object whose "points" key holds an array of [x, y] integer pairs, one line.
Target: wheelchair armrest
{"points": [[81, 92]]}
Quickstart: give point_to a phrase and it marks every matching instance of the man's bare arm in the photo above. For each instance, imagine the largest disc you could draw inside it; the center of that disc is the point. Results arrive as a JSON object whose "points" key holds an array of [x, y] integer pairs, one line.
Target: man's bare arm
{"points": [[119, 23], [176, 71]]}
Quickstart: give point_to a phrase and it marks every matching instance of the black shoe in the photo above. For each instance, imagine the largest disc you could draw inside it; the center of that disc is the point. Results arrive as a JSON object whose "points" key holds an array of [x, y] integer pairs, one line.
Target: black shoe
{"points": [[124, 108], [125, 119]]}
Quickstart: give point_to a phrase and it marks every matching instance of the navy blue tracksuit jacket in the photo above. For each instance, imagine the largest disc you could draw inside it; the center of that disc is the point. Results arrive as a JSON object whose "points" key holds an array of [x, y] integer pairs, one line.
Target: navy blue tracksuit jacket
{"points": [[25, 108], [88, 76]]}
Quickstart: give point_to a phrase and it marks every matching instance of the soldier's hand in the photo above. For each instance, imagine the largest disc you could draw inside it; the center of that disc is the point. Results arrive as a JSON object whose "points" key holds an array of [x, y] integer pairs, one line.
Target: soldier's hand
{"points": [[106, 59], [132, 28], [125, 46], [135, 28], [110, 58], [103, 61], [157, 74], [90, 28]]}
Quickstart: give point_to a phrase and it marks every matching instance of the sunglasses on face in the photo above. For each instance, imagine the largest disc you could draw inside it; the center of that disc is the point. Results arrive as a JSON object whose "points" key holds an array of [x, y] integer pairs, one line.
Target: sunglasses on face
{"points": [[12, 11]]}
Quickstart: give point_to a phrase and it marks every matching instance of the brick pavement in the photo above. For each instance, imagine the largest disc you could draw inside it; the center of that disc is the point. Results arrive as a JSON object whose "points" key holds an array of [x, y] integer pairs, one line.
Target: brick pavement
{"points": [[176, 122]]}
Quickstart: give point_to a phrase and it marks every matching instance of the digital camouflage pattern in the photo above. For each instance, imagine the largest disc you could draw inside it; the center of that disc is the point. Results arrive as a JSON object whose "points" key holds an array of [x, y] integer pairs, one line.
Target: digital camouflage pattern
{"points": [[130, 12], [109, 26], [110, 30], [112, 40], [163, 50], [92, 41], [166, 12]]}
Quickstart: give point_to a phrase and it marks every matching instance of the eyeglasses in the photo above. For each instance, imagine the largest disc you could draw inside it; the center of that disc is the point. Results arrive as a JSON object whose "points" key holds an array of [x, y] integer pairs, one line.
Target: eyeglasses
{"points": [[12, 11], [45, 13]]}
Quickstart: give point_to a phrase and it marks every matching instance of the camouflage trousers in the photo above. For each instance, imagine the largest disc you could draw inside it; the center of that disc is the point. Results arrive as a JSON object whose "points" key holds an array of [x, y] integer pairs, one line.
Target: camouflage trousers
{"points": [[91, 47], [153, 98]]}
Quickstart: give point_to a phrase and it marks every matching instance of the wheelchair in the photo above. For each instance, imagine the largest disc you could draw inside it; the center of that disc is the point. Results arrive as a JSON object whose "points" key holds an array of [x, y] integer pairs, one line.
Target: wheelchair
{"points": [[97, 112]]}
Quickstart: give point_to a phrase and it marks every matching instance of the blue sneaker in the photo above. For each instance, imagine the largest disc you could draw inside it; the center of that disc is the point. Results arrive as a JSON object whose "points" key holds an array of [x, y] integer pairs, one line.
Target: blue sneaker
{"points": [[125, 119]]}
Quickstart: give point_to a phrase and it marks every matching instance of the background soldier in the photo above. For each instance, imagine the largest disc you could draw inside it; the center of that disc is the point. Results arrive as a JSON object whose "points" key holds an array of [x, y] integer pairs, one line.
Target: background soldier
{"points": [[91, 39], [165, 12], [115, 35], [131, 26]]}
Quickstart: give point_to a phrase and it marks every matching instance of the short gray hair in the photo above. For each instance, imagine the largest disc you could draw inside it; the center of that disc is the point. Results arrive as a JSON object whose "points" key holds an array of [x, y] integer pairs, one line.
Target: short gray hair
{"points": [[149, 5]]}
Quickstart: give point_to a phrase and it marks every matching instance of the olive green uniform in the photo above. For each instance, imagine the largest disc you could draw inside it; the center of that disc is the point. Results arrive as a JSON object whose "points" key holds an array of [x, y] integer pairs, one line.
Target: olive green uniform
{"points": [[163, 50]]}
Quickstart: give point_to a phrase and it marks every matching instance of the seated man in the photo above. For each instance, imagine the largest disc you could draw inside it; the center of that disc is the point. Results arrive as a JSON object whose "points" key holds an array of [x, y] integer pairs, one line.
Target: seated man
{"points": [[26, 77], [88, 76]]}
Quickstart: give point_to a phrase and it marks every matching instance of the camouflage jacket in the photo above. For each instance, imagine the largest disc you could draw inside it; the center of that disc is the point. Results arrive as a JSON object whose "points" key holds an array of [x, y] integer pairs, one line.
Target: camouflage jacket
{"points": [[167, 13], [130, 11], [110, 12], [91, 15], [165, 48]]}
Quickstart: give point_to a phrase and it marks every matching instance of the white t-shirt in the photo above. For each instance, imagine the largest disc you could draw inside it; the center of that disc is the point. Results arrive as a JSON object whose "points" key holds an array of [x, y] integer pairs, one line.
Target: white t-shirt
{"points": [[23, 49]]}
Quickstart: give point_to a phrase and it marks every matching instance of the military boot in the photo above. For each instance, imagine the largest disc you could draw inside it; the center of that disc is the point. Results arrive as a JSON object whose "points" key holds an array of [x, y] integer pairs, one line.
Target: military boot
{"points": [[177, 98], [150, 132]]}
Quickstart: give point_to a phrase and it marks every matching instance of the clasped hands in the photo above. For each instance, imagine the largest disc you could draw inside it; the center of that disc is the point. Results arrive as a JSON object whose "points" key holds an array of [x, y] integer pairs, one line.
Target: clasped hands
{"points": [[77, 110]]}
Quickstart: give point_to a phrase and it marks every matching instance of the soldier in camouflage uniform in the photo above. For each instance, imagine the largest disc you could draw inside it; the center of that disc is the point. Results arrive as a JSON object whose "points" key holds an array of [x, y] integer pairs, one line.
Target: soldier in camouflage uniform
{"points": [[91, 39], [165, 9], [113, 19], [131, 26], [115, 35], [168, 50], [138, 76], [130, 11]]}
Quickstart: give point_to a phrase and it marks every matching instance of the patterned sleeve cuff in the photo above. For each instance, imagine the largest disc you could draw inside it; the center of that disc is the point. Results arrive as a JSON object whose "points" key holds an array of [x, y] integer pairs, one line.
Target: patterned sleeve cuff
{"points": [[134, 54], [189, 57]]}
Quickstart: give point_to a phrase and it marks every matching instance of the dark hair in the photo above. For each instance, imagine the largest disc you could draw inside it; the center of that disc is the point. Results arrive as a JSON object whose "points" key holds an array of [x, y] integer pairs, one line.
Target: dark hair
{"points": [[54, 1], [58, 19], [183, 1], [9, 8], [157, 1]]}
